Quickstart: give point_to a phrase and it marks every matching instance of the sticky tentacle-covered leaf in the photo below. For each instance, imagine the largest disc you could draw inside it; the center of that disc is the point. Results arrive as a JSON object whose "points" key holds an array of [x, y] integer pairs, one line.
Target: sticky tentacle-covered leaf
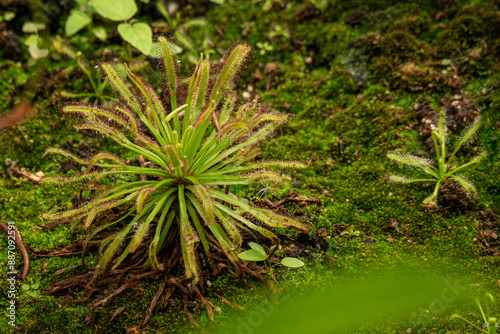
{"points": [[224, 209], [232, 64], [196, 222], [89, 109], [66, 154], [189, 238], [141, 231], [155, 246], [230, 227], [227, 108], [112, 249], [105, 155], [122, 88], [466, 184]]}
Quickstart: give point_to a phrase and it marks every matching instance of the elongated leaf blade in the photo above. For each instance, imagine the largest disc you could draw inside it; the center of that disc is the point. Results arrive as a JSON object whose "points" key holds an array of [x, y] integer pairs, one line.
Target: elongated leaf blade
{"points": [[292, 262]]}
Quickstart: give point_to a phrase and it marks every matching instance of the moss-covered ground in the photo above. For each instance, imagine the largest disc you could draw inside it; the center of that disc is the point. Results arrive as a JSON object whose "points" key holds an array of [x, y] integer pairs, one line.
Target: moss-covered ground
{"points": [[351, 73]]}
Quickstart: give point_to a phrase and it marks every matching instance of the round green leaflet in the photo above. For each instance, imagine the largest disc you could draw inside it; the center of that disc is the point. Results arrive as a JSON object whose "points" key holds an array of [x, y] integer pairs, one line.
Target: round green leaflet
{"points": [[115, 10], [139, 35]]}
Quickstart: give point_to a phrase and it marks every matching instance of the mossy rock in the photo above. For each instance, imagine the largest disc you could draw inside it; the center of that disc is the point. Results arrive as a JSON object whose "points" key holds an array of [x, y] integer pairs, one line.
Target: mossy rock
{"points": [[401, 46], [414, 26], [463, 33]]}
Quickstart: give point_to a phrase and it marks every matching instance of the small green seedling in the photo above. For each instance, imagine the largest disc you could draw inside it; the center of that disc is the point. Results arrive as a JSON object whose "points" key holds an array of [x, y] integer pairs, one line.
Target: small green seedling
{"points": [[491, 324], [31, 289], [257, 253], [447, 168], [34, 41], [98, 85], [7, 16], [264, 47]]}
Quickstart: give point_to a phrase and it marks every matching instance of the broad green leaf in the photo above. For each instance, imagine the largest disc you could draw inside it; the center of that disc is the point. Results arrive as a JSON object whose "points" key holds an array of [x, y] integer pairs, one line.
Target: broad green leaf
{"points": [[8, 16], [37, 53], [76, 22], [257, 247], [292, 262], [115, 10], [25, 286], [100, 33], [252, 255], [446, 62], [31, 40], [32, 27], [139, 35]]}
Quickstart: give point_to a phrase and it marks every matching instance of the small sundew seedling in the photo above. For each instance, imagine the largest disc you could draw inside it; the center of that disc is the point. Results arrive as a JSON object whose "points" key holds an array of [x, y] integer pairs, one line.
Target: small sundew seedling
{"points": [[178, 201], [447, 168]]}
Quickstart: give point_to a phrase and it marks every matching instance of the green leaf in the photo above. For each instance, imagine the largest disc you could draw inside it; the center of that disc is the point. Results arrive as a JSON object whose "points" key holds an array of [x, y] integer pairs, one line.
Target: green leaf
{"points": [[466, 184], [233, 61], [195, 23], [257, 247], [292, 262], [470, 130], [446, 62], [100, 33], [31, 40], [37, 53], [139, 35], [25, 286], [76, 22], [32, 27], [252, 255], [35, 286], [156, 52], [8, 16], [410, 160], [400, 179], [33, 294], [115, 10]]}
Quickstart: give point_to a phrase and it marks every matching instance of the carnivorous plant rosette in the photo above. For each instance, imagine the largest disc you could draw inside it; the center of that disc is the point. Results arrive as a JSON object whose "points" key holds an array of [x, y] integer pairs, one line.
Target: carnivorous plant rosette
{"points": [[447, 165], [194, 153]]}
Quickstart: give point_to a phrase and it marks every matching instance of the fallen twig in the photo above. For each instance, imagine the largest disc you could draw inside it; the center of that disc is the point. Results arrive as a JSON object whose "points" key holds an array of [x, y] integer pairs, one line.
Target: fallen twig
{"points": [[19, 242]]}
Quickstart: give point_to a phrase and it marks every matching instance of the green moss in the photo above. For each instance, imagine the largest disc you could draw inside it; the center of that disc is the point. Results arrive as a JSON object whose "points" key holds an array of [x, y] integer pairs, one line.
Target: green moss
{"points": [[353, 102]]}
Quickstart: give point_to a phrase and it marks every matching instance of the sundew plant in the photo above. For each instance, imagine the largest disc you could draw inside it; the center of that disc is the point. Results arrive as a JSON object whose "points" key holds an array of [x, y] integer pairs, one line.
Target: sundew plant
{"points": [[447, 165], [180, 200]]}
